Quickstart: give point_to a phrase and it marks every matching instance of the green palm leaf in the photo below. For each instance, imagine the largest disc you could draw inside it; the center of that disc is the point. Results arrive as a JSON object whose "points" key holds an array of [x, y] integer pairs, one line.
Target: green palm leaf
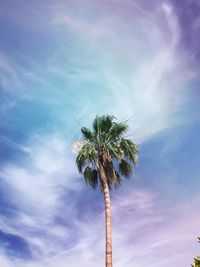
{"points": [[86, 156], [125, 168], [87, 134], [130, 150], [91, 177]]}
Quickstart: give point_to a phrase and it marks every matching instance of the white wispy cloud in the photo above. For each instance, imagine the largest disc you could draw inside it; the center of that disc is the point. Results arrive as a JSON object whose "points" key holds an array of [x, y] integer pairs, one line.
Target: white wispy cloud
{"points": [[152, 89], [36, 187], [138, 64], [10, 72]]}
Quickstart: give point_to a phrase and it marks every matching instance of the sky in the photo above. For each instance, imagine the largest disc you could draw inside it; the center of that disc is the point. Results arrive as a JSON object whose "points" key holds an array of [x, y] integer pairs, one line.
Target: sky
{"points": [[64, 62]]}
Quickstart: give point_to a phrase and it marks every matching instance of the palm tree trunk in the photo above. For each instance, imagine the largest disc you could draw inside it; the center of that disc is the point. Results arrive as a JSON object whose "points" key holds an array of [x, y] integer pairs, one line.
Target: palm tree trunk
{"points": [[105, 189], [108, 225]]}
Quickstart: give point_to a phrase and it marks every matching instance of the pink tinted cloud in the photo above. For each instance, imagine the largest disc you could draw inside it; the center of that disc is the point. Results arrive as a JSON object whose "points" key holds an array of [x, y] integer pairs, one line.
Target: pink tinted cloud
{"points": [[149, 230]]}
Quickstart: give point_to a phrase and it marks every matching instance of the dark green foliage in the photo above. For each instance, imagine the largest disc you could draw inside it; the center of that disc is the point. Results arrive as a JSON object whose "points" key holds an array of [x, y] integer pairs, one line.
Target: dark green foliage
{"points": [[125, 168], [86, 156], [103, 145], [91, 176], [87, 134], [117, 131], [130, 149]]}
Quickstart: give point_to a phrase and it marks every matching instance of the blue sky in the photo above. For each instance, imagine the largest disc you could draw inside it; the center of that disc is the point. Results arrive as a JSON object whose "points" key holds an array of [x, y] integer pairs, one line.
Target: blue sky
{"points": [[61, 64]]}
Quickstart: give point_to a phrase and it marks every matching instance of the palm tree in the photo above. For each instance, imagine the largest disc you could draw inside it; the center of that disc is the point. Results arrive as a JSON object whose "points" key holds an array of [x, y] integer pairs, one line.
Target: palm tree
{"points": [[106, 156]]}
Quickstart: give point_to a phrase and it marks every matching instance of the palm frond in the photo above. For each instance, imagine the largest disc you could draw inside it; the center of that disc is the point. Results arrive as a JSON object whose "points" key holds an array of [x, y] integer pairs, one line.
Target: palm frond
{"points": [[91, 177], [117, 131], [125, 168], [87, 134], [104, 123], [118, 179], [86, 156], [116, 152], [113, 177], [130, 150], [101, 127], [96, 124]]}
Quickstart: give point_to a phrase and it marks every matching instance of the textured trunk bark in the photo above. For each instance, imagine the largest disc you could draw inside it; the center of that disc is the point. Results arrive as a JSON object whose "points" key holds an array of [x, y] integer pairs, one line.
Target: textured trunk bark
{"points": [[108, 259], [108, 225]]}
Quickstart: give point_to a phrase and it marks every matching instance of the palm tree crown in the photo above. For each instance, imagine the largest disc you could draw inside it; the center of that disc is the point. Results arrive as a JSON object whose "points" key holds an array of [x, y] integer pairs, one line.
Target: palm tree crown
{"points": [[106, 146]]}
